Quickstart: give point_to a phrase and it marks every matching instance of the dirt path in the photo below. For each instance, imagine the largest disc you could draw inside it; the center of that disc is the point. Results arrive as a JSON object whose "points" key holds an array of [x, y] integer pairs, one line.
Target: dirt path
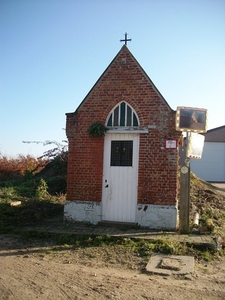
{"points": [[34, 271]]}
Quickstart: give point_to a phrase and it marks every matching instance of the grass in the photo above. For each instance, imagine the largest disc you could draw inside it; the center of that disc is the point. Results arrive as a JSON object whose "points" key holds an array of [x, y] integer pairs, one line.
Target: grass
{"points": [[125, 250]]}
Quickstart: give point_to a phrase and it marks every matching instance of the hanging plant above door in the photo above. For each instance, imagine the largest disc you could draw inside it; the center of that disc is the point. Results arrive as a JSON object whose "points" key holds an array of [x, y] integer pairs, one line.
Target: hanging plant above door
{"points": [[97, 129]]}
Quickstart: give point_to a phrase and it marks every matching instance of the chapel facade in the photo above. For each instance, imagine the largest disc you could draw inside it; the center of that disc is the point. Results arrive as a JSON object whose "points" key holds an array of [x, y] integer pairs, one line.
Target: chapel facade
{"points": [[128, 173]]}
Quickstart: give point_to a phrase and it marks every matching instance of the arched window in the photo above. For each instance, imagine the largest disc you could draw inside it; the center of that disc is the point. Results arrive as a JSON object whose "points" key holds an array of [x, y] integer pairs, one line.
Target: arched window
{"points": [[123, 115]]}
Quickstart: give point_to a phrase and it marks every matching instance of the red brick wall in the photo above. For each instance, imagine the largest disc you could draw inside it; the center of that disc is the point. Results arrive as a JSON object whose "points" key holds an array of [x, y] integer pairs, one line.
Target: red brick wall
{"points": [[123, 80]]}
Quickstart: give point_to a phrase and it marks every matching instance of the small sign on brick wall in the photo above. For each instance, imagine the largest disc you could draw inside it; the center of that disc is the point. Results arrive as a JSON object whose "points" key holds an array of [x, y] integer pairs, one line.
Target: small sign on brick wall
{"points": [[171, 144]]}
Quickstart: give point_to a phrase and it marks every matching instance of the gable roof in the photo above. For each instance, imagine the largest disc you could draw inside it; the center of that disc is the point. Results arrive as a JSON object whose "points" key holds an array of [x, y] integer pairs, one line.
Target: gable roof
{"points": [[215, 135], [123, 50]]}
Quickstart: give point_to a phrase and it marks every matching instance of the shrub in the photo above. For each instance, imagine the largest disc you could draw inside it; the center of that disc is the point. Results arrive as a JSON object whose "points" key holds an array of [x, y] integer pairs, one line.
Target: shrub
{"points": [[42, 189], [16, 168]]}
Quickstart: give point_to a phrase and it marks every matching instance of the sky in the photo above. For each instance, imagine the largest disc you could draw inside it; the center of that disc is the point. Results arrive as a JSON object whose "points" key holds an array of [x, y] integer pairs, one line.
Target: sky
{"points": [[52, 52]]}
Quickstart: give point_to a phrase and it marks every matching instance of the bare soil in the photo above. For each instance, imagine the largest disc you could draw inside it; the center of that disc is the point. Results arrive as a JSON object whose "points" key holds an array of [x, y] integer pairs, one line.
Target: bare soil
{"points": [[39, 269]]}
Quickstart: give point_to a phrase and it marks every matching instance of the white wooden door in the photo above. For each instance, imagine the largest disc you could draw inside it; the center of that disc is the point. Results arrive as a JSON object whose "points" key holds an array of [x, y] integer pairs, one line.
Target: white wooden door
{"points": [[120, 177]]}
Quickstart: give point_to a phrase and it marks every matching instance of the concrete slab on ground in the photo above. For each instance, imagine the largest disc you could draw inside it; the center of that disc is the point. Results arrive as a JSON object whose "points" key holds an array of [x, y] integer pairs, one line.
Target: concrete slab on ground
{"points": [[162, 264]]}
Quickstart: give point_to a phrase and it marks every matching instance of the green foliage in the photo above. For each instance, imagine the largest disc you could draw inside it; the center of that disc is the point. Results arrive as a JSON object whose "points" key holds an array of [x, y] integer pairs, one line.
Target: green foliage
{"points": [[35, 234], [55, 173], [42, 189], [65, 239], [212, 219], [8, 193], [171, 247], [97, 129], [30, 212], [207, 255]]}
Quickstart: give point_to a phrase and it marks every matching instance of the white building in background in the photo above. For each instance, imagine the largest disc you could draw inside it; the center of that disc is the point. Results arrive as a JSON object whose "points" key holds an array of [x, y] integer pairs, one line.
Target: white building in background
{"points": [[211, 167]]}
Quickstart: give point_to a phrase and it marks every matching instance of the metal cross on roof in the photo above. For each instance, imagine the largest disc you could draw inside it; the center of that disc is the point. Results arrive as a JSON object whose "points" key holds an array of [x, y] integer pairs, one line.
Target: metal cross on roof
{"points": [[126, 39]]}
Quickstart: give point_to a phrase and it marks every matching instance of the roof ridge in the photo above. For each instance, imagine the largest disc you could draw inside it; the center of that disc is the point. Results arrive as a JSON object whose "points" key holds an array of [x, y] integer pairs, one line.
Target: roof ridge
{"points": [[216, 128]]}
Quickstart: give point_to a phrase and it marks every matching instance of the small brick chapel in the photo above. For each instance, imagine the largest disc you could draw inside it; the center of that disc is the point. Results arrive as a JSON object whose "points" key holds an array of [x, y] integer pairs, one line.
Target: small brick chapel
{"points": [[128, 174]]}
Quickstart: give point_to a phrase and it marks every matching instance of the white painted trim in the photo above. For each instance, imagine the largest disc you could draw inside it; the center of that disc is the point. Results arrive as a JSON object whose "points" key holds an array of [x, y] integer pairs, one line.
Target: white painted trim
{"points": [[127, 130], [152, 126], [160, 217], [83, 211], [163, 217]]}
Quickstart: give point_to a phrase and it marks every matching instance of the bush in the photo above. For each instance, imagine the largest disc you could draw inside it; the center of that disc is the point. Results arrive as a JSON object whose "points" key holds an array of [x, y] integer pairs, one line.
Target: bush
{"points": [[16, 168], [42, 189], [34, 177]]}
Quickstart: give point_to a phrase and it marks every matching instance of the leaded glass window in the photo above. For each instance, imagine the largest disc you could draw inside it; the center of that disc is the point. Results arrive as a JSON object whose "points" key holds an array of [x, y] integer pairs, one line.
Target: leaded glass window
{"points": [[123, 115], [121, 153]]}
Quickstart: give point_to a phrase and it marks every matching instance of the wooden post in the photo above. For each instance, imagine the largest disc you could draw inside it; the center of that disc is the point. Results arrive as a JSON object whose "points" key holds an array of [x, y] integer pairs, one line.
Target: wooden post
{"points": [[184, 195]]}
